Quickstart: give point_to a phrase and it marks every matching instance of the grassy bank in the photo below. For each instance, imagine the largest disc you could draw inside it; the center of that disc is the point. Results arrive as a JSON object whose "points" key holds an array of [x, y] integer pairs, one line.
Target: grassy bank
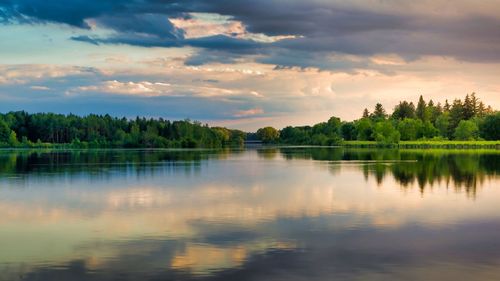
{"points": [[422, 144]]}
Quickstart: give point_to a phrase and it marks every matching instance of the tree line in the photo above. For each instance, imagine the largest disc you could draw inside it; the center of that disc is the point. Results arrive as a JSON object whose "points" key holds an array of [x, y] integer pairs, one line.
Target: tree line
{"points": [[22, 129], [469, 119]]}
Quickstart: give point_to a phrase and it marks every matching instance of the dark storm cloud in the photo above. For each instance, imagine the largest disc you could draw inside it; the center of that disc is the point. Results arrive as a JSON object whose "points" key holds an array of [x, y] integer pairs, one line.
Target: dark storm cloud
{"points": [[71, 12], [216, 42], [151, 24], [306, 18], [322, 27]]}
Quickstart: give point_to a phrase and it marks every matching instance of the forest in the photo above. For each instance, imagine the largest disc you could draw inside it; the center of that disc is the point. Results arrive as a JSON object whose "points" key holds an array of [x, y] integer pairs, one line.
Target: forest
{"points": [[465, 120], [21, 129]]}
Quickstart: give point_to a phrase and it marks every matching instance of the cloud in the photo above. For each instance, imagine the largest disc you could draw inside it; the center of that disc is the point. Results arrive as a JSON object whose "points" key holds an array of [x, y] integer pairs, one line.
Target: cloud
{"points": [[203, 25], [156, 25], [249, 112], [25, 73], [228, 30], [72, 13], [143, 88], [40, 88], [216, 42]]}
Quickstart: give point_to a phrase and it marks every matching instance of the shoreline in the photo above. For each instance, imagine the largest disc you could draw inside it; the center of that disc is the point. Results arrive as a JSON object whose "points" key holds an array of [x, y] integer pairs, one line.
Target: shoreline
{"points": [[423, 144]]}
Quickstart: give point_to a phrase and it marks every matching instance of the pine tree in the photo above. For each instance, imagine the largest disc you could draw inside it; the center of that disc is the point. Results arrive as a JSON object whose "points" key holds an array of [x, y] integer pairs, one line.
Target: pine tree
{"points": [[446, 106], [366, 113], [489, 110], [433, 112], [379, 112], [481, 109], [456, 114], [404, 110], [420, 112], [468, 108], [439, 108], [475, 103]]}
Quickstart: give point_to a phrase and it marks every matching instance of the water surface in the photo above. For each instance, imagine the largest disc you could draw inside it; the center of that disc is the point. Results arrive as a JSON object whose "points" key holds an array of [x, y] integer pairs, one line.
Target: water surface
{"points": [[257, 214]]}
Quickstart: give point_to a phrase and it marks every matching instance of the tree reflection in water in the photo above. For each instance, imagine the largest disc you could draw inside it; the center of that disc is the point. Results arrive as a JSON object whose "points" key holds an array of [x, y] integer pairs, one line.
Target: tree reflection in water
{"points": [[467, 169]]}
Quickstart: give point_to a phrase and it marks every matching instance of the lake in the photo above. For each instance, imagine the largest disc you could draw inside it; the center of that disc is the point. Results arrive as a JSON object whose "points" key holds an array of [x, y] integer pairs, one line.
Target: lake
{"points": [[259, 214]]}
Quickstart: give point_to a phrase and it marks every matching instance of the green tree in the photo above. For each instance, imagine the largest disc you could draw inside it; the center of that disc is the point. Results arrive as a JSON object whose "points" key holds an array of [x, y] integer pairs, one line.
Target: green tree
{"points": [[481, 109], [456, 114], [4, 132], [150, 137], [411, 129], [364, 128], [433, 112], [348, 131], [12, 141], [385, 133], [408, 129], [268, 134], [294, 135], [332, 128], [366, 113], [379, 112], [404, 110], [490, 127], [237, 137], [427, 130], [319, 139], [475, 103], [134, 137], [443, 125], [446, 106], [420, 112], [469, 108], [466, 130], [222, 134]]}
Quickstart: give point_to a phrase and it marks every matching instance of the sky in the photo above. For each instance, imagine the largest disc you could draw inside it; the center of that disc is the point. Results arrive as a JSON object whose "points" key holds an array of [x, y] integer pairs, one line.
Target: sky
{"points": [[244, 64]]}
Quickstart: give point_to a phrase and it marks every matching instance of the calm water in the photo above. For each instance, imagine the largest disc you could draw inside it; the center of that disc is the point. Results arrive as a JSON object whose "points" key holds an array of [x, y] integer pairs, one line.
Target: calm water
{"points": [[269, 214]]}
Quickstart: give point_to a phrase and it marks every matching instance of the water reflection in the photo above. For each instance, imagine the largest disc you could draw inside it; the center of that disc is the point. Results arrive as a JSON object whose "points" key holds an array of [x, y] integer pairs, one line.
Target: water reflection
{"points": [[269, 214], [466, 169]]}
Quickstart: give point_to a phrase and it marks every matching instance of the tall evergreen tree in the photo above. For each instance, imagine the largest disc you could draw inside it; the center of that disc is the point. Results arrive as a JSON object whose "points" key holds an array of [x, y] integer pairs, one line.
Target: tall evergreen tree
{"points": [[481, 109], [379, 112], [439, 107], [468, 108], [489, 110], [443, 125], [420, 111], [475, 102], [456, 114], [366, 113], [432, 112], [446, 106]]}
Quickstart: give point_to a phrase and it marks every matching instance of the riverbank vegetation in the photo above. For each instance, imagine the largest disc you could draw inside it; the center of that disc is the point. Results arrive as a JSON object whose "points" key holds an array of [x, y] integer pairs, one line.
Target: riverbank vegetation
{"points": [[48, 130], [433, 143], [461, 124]]}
